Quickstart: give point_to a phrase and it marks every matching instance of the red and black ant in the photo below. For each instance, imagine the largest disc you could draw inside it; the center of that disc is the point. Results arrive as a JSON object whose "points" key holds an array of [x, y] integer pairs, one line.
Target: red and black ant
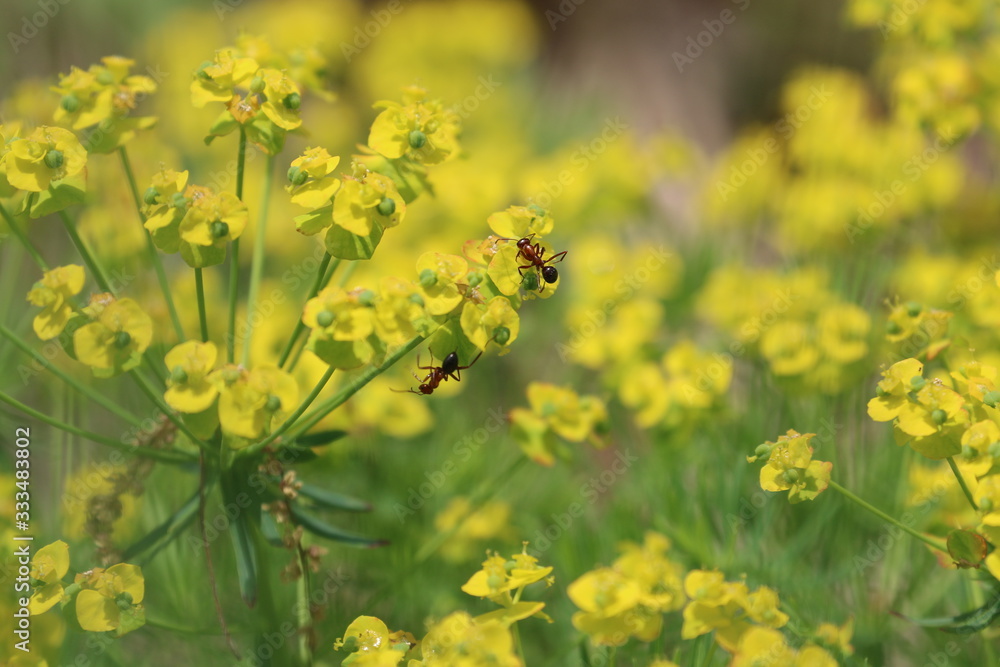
{"points": [[449, 368], [533, 254]]}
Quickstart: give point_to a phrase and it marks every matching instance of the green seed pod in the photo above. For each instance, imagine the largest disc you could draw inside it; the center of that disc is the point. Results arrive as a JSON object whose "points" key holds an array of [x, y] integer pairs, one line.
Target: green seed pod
{"points": [[386, 207], [123, 600], [417, 139], [893, 328], [994, 450], [150, 196], [70, 103], [367, 298], [968, 452], [220, 229], [428, 278], [417, 299], [297, 176], [292, 101], [991, 398], [273, 403], [230, 375], [178, 375], [879, 391], [917, 383], [537, 210], [939, 416], [105, 78], [985, 505], [913, 308], [122, 340], [791, 476], [178, 200], [494, 581], [474, 278], [257, 84], [53, 159], [325, 318], [501, 335], [202, 74], [763, 451], [530, 281]]}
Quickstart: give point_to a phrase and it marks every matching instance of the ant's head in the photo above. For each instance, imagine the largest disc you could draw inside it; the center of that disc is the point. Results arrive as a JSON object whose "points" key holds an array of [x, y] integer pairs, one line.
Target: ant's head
{"points": [[425, 389], [550, 274], [524, 243]]}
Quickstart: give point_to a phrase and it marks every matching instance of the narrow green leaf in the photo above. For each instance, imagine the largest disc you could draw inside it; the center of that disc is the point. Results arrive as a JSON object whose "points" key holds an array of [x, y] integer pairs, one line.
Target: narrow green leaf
{"points": [[167, 531], [321, 528], [967, 623], [320, 438], [333, 500]]}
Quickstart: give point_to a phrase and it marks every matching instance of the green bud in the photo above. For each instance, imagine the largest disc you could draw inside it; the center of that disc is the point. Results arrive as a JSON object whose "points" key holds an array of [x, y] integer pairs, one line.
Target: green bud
{"points": [[917, 382], [992, 398], [879, 391], [324, 318], [122, 340], [297, 176], [913, 308], [105, 78], [939, 416], [968, 452], [994, 450], [791, 476], [386, 207], [70, 103], [985, 505], [537, 210], [893, 328], [510, 565], [257, 84], [292, 101], [230, 375], [220, 229], [273, 403], [428, 278], [501, 335], [178, 375], [417, 299], [54, 159], [417, 139], [494, 581], [367, 298], [763, 451], [178, 200], [474, 278], [123, 600], [530, 281], [150, 196]]}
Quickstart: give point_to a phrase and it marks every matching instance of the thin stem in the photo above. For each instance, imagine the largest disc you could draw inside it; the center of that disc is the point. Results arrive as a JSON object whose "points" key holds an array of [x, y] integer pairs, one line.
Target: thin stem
{"points": [[23, 238], [156, 454], [294, 416], [234, 259], [96, 397], [202, 483], [165, 409], [934, 544], [314, 290], [161, 275], [354, 387], [88, 257], [257, 264], [304, 614], [199, 287], [961, 482]]}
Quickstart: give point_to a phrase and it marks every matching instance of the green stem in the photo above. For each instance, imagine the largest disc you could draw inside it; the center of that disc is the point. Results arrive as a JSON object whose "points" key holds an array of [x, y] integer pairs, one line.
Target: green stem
{"points": [[934, 544], [302, 607], [153, 396], [23, 238], [199, 288], [294, 416], [354, 387], [95, 396], [321, 273], [257, 264], [156, 454], [161, 275], [234, 260], [961, 483], [88, 258]]}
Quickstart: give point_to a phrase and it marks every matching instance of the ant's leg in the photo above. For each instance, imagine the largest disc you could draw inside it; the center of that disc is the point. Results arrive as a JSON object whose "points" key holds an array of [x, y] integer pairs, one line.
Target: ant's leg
{"points": [[553, 260], [521, 269], [426, 368]]}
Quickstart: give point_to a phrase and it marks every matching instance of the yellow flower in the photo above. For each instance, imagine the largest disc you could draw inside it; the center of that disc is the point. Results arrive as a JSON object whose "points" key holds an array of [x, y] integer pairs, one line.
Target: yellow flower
{"points": [[520, 221], [609, 601], [48, 566], [365, 200], [790, 467], [372, 645], [250, 402], [497, 321], [219, 80], [188, 388], [111, 599], [47, 154], [490, 521], [439, 278], [422, 130], [212, 219], [458, 639], [164, 205], [54, 293], [397, 311], [105, 91], [311, 182], [570, 415], [283, 99], [500, 576], [116, 339]]}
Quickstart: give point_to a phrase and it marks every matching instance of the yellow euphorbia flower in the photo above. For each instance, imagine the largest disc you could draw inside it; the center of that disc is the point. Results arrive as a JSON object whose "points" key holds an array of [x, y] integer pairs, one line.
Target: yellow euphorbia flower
{"points": [[609, 601], [250, 402], [372, 645], [497, 322], [48, 566], [54, 293], [115, 341], [790, 467], [188, 387], [439, 281], [219, 80], [570, 415], [212, 219], [500, 576], [365, 200], [283, 99], [311, 182], [398, 310], [111, 599], [164, 205], [458, 639], [420, 129], [47, 154]]}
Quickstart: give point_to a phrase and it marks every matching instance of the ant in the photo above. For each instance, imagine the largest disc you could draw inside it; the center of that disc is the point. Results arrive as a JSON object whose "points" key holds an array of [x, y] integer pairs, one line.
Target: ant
{"points": [[533, 255], [449, 368]]}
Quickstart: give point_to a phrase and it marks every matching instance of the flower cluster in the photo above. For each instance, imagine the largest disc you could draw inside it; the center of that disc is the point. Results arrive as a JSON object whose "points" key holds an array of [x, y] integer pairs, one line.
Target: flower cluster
{"points": [[789, 466], [556, 411]]}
